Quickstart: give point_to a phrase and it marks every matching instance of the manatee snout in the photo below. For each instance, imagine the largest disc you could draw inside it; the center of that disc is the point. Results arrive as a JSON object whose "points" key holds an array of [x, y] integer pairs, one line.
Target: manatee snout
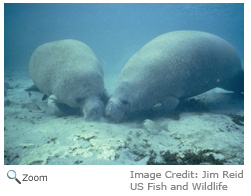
{"points": [[114, 111], [93, 109]]}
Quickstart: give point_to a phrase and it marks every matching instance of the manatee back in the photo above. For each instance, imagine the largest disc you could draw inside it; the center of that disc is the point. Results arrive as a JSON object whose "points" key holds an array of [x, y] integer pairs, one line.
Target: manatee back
{"points": [[62, 67], [182, 64]]}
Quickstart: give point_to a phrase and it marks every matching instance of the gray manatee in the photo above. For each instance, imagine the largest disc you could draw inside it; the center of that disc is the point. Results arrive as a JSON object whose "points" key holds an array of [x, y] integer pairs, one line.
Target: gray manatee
{"points": [[69, 73], [175, 66]]}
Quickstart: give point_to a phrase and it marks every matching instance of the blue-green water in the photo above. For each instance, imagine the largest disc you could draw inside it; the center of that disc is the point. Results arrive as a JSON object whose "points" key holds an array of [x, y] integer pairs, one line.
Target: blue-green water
{"points": [[114, 31]]}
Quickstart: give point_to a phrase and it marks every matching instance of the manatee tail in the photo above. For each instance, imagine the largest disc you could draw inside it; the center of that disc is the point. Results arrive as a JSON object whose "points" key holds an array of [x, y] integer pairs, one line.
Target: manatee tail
{"points": [[236, 84]]}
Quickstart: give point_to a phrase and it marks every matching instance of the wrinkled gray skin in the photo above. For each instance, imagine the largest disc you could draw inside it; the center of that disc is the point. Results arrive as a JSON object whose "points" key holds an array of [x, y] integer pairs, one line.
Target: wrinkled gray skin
{"points": [[175, 66], [69, 72]]}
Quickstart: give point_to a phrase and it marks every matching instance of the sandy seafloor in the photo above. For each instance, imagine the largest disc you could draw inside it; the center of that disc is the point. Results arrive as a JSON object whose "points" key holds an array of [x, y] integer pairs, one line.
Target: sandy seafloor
{"points": [[207, 129]]}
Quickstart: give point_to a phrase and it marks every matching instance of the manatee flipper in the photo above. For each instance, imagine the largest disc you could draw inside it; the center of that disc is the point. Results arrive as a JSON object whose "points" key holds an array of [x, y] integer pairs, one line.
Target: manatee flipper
{"points": [[170, 103], [32, 88], [53, 106], [44, 97]]}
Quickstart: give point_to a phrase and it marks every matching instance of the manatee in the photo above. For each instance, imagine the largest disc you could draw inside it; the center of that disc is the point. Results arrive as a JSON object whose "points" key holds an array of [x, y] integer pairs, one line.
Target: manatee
{"points": [[172, 67], [69, 73]]}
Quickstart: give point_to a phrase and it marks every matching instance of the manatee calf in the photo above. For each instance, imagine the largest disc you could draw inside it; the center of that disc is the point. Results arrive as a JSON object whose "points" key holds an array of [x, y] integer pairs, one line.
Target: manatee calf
{"points": [[69, 73], [175, 66]]}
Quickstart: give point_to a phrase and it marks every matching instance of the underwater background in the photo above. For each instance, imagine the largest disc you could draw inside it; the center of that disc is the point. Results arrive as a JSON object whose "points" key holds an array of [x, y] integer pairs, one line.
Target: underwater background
{"points": [[206, 129], [113, 31]]}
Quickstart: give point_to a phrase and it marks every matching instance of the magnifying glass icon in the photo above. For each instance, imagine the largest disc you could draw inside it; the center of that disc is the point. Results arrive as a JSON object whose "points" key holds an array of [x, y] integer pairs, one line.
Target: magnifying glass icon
{"points": [[11, 174]]}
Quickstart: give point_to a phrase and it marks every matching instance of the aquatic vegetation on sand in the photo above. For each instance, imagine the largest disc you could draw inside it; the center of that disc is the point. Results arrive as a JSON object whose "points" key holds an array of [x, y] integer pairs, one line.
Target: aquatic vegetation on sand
{"points": [[203, 157]]}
